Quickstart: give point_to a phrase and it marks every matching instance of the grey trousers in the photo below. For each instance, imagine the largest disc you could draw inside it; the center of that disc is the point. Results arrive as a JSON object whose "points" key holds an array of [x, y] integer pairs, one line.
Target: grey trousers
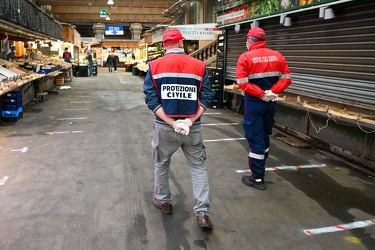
{"points": [[164, 144]]}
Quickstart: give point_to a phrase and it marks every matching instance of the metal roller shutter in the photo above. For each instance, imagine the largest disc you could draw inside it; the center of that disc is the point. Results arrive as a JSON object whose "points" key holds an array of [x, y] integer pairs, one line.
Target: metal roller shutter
{"points": [[332, 60]]}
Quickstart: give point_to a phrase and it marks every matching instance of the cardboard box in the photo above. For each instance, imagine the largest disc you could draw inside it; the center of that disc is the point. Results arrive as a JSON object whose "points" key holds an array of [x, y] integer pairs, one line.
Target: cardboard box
{"points": [[59, 80]]}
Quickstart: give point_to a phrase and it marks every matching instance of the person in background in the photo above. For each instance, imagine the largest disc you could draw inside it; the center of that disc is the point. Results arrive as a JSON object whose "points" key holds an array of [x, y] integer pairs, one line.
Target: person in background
{"points": [[116, 61], [261, 73], [12, 53], [133, 56], [178, 91], [91, 62], [67, 56], [110, 62]]}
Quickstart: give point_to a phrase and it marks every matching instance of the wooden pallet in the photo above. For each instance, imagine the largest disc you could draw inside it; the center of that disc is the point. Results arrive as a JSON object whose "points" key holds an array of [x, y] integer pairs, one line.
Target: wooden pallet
{"points": [[293, 142], [332, 109]]}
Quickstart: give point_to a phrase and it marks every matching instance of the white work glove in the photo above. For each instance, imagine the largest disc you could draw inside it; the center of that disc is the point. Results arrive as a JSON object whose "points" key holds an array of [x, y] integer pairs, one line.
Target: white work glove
{"points": [[187, 121], [180, 127], [269, 96]]}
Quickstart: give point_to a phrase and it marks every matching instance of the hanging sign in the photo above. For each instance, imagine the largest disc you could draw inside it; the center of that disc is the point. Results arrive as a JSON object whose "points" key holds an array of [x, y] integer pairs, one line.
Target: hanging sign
{"points": [[114, 30], [103, 13], [205, 31]]}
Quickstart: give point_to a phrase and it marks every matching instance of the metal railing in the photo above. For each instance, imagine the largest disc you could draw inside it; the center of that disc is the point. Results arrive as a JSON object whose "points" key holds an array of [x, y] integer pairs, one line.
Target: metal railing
{"points": [[207, 54]]}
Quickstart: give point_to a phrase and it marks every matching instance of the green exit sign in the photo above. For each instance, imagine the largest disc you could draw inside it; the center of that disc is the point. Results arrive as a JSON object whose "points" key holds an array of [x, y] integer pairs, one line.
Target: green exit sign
{"points": [[103, 13]]}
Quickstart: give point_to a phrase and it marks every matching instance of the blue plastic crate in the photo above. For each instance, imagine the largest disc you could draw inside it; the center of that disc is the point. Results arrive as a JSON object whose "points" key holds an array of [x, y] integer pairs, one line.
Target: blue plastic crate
{"points": [[12, 101], [13, 94], [9, 113], [45, 71], [9, 107]]}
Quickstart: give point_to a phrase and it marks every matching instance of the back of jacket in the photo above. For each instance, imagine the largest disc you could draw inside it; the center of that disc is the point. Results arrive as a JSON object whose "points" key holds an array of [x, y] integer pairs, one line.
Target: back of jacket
{"points": [[110, 60], [261, 69], [178, 79]]}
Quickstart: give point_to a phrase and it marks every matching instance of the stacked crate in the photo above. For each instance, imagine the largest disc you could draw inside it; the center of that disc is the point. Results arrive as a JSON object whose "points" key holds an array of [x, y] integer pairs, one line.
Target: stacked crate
{"points": [[12, 106]]}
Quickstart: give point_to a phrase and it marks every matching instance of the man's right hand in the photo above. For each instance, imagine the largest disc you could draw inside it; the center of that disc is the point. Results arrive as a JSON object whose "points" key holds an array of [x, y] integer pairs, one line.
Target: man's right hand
{"points": [[181, 127], [269, 96]]}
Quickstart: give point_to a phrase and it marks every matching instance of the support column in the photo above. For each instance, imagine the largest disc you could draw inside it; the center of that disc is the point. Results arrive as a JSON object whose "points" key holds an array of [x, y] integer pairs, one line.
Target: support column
{"points": [[99, 29], [136, 29]]}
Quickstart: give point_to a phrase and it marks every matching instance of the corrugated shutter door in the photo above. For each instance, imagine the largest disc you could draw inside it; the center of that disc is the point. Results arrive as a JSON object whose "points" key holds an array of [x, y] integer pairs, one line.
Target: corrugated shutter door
{"points": [[329, 59]]}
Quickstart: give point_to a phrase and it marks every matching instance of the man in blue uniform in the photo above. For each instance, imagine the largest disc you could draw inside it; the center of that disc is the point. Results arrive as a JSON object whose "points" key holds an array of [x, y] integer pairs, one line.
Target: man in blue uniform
{"points": [[261, 73], [178, 91]]}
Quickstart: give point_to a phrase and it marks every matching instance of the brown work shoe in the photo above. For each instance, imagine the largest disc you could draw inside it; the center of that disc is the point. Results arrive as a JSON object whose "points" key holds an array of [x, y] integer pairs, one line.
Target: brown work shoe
{"points": [[165, 207], [203, 221]]}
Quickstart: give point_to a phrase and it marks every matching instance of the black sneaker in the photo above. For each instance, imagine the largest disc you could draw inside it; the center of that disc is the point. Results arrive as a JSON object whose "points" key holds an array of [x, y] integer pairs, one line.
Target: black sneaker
{"points": [[250, 181]]}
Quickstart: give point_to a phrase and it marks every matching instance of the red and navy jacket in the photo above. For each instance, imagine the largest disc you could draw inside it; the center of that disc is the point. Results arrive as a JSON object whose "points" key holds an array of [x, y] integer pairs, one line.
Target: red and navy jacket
{"points": [[67, 56], [261, 69], [178, 83]]}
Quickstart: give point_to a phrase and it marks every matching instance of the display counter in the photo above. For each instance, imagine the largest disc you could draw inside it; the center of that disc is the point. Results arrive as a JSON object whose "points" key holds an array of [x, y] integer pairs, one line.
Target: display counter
{"points": [[82, 70], [13, 77], [22, 82], [142, 67], [68, 74], [129, 65], [28, 79], [17, 88]]}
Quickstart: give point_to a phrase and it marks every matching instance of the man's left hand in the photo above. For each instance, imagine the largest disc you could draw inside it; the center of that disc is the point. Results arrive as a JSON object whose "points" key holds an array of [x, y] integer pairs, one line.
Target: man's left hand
{"points": [[187, 121]]}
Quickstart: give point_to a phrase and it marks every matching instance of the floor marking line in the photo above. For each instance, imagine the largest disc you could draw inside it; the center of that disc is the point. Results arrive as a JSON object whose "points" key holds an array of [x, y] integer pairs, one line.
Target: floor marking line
{"points": [[308, 232], [76, 118], [75, 109], [79, 102], [211, 113], [226, 139], [64, 132], [286, 167], [121, 80], [342, 228], [219, 124], [338, 228], [22, 150], [3, 180]]}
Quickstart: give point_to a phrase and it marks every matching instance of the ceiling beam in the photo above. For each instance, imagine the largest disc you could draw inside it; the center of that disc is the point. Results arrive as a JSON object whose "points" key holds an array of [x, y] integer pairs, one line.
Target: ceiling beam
{"points": [[96, 10], [69, 18], [144, 12], [104, 2], [79, 12]]}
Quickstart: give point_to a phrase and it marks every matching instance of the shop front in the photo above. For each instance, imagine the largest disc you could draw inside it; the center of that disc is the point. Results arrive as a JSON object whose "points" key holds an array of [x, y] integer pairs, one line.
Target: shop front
{"points": [[32, 44], [329, 47]]}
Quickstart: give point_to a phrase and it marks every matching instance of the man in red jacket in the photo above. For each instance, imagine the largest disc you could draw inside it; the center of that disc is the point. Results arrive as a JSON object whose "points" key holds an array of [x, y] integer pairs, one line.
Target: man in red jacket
{"points": [[67, 55], [261, 73]]}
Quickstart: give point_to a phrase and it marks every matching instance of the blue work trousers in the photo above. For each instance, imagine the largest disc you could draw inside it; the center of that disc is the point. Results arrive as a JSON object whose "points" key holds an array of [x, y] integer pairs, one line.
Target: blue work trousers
{"points": [[257, 123]]}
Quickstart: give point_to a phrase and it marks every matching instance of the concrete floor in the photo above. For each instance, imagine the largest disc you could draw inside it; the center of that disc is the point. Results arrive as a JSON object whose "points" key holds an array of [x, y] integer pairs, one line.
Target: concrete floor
{"points": [[76, 173]]}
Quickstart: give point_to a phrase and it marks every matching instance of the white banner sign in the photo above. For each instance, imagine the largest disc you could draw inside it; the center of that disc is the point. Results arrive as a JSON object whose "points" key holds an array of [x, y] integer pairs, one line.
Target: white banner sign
{"points": [[206, 31]]}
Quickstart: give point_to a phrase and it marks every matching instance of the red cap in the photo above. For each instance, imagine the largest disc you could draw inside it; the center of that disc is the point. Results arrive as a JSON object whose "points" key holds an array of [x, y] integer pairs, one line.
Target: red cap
{"points": [[256, 32], [172, 37]]}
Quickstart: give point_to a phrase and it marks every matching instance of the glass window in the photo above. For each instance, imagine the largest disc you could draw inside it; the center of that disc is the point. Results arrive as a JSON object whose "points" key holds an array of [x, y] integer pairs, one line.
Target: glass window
{"points": [[210, 14], [194, 12]]}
